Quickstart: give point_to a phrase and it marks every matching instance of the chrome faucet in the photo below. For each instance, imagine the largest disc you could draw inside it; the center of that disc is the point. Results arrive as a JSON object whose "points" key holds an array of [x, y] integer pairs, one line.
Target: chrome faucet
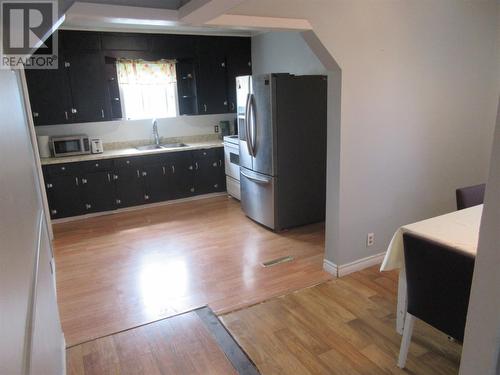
{"points": [[155, 132]]}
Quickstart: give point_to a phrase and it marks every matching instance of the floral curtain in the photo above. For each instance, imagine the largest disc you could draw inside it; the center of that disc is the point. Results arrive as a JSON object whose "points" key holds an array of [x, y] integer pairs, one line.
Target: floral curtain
{"points": [[148, 88]]}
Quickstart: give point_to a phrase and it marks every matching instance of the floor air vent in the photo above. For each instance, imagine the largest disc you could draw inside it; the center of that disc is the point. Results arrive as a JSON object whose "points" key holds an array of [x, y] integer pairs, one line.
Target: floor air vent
{"points": [[276, 261]]}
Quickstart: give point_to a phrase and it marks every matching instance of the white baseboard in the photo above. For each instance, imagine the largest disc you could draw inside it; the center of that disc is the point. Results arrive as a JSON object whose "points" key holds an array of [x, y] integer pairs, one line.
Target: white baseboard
{"points": [[330, 267], [139, 207], [357, 265], [360, 264]]}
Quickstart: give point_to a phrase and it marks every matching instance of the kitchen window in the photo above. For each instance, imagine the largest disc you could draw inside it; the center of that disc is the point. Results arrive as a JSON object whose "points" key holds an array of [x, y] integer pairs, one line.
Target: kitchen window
{"points": [[148, 88]]}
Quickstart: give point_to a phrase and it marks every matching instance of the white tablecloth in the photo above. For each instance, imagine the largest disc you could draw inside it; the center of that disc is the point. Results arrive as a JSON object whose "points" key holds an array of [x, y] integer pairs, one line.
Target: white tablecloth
{"points": [[459, 229]]}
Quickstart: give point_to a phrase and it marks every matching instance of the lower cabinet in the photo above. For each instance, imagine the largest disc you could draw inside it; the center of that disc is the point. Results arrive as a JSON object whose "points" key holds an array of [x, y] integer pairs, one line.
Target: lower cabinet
{"points": [[85, 187]]}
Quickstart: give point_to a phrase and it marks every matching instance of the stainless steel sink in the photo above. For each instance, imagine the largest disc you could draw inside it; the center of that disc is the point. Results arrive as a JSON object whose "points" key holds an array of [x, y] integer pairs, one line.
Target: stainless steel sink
{"points": [[174, 145], [149, 147]]}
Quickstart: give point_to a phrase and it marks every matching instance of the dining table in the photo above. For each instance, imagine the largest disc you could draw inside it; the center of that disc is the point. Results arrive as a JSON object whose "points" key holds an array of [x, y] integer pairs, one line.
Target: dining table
{"points": [[458, 229]]}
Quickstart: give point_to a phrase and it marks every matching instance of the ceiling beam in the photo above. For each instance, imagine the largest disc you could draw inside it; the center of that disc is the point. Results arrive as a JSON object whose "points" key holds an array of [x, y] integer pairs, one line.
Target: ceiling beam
{"points": [[198, 12], [255, 22], [119, 14]]}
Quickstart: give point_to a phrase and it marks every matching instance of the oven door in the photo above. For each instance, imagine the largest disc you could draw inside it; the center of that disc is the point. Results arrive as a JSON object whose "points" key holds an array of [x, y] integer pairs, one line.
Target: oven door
{"points": [[232, 161]]}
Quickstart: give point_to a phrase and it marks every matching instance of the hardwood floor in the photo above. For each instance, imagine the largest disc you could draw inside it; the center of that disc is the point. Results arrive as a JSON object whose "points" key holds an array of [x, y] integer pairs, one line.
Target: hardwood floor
{"points": [[344, 326], [119, 271], [178, 345]]}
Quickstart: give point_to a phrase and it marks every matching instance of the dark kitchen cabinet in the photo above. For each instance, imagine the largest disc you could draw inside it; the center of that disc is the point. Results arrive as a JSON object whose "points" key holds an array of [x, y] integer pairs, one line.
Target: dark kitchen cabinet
{"points": [[239, 63], [97, 191], [102, 185], [129, 188], [125, 42], [50, 95], [155, 175], [209, 170], [63, 195], [186, 87], [182, 174], [88, 85], [212, 76]]}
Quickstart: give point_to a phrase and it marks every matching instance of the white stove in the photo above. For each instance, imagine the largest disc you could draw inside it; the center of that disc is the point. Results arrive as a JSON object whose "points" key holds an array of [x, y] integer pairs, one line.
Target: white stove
{"points": [[232, 165]]}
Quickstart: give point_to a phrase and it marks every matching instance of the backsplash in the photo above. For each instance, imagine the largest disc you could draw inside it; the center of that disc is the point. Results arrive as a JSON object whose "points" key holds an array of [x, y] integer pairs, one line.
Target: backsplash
{"points": [[133, 130]]}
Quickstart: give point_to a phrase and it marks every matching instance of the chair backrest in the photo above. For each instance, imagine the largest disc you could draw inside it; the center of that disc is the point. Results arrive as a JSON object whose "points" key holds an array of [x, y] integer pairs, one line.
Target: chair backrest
{"points": [[470, 196], [438, 281]]}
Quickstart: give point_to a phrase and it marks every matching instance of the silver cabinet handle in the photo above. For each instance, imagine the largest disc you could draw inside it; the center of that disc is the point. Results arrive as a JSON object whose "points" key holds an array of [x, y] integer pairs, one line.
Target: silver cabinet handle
{"points": [[97, 165], [220, 163], [84, 180], [232, 106], [190, 167], [53, 212], [36, 114], [118, 201], [49, 186], [146, 197], [88, 206], [115, 177], [225, 102], [223, 64], [144, 173], [76, 181], [102, 113], [191, 190], [204, 107], [196, 165], [214, 164], [116, 99], [127, 161], [163, 169], [109, 177], [67, 64], [63, 168], [73, 110], [173, 168], [216, 186], [66, 115], [138, 174], [255, 179]]}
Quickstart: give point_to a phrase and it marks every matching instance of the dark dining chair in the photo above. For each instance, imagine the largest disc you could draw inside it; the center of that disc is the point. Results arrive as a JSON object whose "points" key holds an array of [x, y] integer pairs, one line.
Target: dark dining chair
{"points": [[470, 196], [438, 279]]}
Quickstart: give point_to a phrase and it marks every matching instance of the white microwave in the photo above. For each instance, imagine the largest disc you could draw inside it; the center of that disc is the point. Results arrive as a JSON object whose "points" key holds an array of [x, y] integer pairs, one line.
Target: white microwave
{"points": [[70, 145]]}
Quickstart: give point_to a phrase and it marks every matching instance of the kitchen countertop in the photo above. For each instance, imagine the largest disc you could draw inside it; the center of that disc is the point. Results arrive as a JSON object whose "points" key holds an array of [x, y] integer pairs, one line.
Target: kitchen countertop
{"points": [[125, 152]]}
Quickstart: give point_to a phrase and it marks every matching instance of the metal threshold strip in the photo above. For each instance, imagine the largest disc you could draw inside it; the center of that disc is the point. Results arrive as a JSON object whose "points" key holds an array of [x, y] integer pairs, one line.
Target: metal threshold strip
{"points": [[276, 261]]}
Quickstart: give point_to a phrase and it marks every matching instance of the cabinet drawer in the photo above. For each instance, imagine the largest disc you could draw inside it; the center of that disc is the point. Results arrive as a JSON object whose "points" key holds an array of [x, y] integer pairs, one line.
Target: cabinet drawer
{"points": [[97, 165], [135, 162], [153, 159], [62, 169]]}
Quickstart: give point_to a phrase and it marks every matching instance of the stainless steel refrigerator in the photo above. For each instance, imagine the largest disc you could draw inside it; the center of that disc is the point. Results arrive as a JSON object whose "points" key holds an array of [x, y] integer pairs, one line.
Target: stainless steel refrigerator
{"points": [[282, 131]]}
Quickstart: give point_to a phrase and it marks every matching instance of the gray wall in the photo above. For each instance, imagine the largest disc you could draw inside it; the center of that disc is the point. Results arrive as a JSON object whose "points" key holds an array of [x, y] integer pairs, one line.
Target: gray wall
{"points": [[283, 52], [418, 107]]}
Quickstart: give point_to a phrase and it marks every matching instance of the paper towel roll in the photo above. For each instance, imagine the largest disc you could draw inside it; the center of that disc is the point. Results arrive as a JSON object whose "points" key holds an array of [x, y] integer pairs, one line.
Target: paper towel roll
{"points": [[43, 146]]}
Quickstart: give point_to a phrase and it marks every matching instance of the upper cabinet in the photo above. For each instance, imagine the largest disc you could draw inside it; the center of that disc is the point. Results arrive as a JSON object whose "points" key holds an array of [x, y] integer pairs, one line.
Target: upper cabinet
{"points": [[85, 87]]}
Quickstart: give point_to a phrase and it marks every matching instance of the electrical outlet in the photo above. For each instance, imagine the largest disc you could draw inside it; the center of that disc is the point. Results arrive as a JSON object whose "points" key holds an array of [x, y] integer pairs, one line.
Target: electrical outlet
{"points": [[370, 239], [216, 128]]}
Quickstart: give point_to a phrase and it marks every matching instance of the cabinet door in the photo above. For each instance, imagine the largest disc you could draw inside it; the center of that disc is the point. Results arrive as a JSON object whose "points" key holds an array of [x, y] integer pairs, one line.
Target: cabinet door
{"points": [[50, 95], [211, 79], [128, 187], [88, 86], [209, 170], [181, 179], [156, 185], [63, 194], [239, 63], [98, 193], [186, 87]]}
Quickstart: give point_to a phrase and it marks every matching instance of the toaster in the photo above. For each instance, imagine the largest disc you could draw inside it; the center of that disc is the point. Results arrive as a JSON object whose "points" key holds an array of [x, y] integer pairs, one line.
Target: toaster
{"points": [[96, 146]]}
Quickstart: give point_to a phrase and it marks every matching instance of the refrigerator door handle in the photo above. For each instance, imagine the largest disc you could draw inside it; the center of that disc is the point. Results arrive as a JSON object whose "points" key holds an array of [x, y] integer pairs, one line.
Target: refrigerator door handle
{"points": [[247, 128], [253, 111], [255, 179]]}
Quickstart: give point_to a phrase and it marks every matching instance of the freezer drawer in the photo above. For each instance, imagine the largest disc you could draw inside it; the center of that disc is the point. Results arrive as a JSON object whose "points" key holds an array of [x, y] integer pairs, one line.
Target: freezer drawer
{"points": [[258, 197]]}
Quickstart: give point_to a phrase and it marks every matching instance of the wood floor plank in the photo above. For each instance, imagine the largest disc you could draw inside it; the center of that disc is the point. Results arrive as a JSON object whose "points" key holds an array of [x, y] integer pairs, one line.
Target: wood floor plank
{"points": [[313, 331], [119, 271]]}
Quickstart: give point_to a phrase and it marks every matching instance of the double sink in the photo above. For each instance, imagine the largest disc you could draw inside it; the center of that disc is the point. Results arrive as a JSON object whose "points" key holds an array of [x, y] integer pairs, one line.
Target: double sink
{"points": [[159, 147]]}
